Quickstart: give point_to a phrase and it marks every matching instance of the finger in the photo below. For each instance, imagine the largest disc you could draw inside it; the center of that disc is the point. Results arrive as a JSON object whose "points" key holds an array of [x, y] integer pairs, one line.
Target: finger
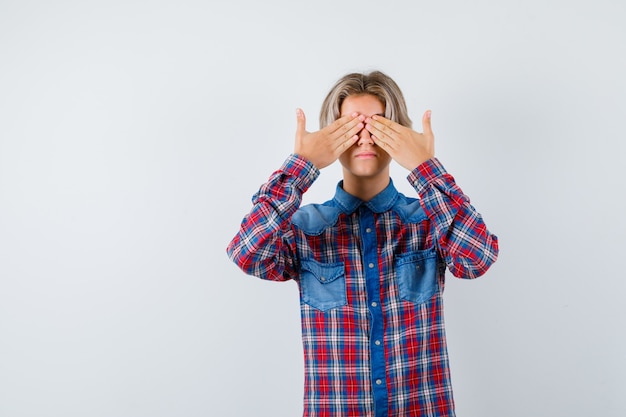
{"points": [[344, 123], [347, 133], [384, 124], [379, 132], [386, 144], [345, 144], [301, 122], [426, 123], [344, 140]]}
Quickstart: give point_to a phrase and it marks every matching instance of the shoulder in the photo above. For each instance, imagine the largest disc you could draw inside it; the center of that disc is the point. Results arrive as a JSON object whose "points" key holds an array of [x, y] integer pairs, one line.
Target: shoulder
{"points": [[409, 209], [313, 219]]}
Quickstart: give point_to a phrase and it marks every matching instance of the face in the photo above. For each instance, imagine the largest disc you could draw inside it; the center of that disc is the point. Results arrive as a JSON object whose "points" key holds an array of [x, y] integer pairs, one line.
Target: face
{"points": [[364, 160]]}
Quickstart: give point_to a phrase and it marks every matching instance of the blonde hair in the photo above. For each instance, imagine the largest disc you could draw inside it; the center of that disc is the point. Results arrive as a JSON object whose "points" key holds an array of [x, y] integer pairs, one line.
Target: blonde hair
{"points": [[374, 83]]}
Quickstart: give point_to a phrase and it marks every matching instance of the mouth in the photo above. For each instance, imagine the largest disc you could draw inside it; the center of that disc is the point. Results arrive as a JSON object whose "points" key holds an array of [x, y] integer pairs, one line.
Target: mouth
{"points": [[366, 155]]}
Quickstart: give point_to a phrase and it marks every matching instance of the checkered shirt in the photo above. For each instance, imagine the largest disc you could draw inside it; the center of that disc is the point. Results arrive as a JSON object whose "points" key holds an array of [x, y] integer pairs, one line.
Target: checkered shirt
{"points": [[371, 278]]}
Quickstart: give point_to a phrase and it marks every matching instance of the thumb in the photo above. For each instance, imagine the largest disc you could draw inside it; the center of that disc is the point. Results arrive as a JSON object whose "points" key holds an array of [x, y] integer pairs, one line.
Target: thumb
{"points": [[301, 122], [426, 123]]}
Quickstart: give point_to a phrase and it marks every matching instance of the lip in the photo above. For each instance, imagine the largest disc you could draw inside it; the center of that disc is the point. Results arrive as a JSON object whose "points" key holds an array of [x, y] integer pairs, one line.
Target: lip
{"points": [[366, 155]]}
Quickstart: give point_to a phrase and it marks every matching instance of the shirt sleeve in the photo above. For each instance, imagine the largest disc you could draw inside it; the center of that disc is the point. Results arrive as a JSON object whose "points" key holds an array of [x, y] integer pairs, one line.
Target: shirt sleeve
{"points": [[469, 249], [265, 244]]}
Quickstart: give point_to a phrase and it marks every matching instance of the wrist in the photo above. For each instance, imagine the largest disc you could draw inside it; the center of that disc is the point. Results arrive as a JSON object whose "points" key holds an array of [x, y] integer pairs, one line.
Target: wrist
{"points": [[302, 170], [422, 175]]}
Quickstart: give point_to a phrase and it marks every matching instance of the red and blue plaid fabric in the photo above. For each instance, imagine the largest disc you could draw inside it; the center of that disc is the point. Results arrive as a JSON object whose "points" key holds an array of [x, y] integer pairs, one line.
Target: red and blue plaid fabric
{"points": [[371, 278]]}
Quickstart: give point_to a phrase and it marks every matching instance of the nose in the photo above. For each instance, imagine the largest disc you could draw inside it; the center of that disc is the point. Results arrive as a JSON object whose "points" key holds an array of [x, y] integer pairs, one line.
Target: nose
{"points": [[365, 138]]}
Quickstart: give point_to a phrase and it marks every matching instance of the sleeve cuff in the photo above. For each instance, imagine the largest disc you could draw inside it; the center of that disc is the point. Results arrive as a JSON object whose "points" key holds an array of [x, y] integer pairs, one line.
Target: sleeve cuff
{"points": [[303, 172], [421, 177]]}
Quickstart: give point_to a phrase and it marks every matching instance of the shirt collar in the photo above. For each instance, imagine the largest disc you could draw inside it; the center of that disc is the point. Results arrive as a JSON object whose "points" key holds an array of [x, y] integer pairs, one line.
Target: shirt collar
{"points": [[381, 202]]}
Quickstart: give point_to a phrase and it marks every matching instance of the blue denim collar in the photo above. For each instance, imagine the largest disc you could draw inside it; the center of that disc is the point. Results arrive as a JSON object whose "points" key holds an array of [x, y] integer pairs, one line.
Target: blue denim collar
{"points": [[381, 202]]}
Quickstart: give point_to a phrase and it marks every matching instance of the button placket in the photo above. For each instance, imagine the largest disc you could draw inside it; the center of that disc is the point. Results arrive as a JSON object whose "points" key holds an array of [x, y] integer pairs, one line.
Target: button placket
{"points": [[372, 272]]}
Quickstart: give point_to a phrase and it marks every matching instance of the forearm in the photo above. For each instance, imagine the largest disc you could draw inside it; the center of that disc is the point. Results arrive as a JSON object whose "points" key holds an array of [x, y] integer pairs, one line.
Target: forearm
{"points": [[463, 239], [264, 245]]}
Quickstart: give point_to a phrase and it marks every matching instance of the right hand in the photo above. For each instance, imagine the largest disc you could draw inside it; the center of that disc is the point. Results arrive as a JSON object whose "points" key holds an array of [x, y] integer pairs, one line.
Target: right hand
{"points": [[324, 147]]}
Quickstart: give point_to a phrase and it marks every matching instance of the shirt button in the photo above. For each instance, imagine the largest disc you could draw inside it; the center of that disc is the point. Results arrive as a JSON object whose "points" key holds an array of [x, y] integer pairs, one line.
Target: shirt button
{"points": [[322, 279], [371, 265], [377, 343], [368, 230], [374, 304], [378, 382]]}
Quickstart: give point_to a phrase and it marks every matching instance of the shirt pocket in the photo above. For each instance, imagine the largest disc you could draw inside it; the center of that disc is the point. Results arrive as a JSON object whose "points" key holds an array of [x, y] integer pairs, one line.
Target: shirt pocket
{"points": [[323, 285], [417, 275]]}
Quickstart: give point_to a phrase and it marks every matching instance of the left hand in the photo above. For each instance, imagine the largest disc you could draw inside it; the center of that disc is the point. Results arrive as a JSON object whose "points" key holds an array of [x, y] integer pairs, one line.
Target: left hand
{"points": [[406, 146]]}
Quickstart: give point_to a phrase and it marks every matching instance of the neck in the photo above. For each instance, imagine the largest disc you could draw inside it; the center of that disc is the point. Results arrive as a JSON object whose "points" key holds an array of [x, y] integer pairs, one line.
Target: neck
{"points": [[364, 188]]}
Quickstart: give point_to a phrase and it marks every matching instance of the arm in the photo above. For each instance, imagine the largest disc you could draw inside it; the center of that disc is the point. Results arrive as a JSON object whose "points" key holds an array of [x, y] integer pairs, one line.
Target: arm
{"points": [[461, 235], [265, 244]]}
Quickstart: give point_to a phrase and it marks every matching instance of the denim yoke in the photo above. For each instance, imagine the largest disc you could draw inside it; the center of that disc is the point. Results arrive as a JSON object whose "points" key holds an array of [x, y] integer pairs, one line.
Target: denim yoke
{"points": [[323, 284]]}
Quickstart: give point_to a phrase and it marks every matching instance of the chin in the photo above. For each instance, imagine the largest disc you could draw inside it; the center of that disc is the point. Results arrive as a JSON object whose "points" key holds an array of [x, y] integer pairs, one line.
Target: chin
{"points": [[367, 173]]}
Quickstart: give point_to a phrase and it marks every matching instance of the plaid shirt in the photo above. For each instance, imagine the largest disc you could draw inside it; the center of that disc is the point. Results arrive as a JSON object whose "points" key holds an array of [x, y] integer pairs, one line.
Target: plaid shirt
{"points": [[371, 278]]}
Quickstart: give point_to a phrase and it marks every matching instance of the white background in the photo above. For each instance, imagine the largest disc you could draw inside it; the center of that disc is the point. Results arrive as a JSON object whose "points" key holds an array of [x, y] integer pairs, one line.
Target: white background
{"points": [[134, 133]]}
